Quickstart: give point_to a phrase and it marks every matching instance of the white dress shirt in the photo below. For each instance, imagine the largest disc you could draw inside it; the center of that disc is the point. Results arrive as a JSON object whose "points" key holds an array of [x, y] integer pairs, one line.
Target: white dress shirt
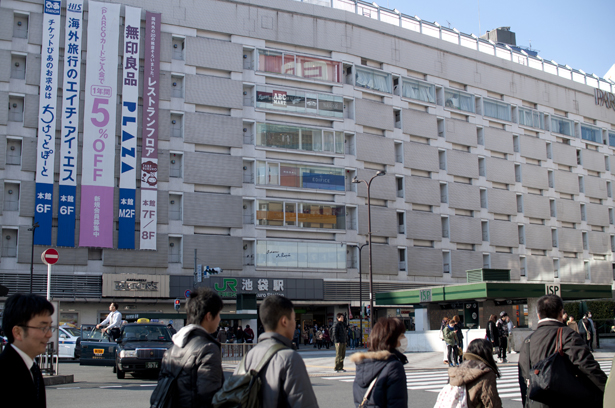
{"points": [[114, 319], [26, 359]]}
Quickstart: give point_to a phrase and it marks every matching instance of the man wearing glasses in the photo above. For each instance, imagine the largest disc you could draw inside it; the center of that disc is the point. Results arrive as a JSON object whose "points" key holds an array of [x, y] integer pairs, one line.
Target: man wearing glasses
{"points": [[27, 325], [114, 322]]}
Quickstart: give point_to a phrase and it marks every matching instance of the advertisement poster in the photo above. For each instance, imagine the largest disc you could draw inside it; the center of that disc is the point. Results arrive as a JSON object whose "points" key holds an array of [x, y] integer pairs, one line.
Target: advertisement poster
{"points": [[128, 152], [96, 226], [70, 123], [149, 152], [47, 116]]}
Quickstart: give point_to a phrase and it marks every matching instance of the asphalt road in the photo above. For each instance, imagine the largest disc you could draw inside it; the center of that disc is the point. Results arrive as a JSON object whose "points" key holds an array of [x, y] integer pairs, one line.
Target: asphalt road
{"points": [[98, 387]]}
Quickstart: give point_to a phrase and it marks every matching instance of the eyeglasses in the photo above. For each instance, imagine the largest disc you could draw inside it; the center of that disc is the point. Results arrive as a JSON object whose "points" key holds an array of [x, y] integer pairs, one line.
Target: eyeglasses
{"points": [[45, 329]]}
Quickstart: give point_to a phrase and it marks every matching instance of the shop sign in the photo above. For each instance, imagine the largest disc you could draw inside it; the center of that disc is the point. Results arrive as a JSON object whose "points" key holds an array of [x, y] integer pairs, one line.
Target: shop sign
{"points": [[425, 295], [604, 98], [262, 287], [553, 289], [135, 285]]}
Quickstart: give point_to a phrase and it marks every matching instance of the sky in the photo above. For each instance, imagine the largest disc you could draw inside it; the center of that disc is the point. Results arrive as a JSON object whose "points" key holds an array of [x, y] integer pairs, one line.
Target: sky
{"points": [[571, 32]]}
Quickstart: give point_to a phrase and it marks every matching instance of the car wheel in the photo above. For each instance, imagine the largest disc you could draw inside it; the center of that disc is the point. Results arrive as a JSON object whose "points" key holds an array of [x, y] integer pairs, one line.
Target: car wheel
{"points": [[120, 374]]}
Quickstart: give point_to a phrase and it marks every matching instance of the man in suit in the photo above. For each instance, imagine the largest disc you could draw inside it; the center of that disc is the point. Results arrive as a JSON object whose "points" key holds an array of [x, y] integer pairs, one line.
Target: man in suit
{"points": [[27, 325]]}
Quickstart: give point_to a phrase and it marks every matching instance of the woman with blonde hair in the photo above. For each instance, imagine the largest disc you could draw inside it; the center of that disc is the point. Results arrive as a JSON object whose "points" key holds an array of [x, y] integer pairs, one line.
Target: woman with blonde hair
{"points": [[381, 379]]}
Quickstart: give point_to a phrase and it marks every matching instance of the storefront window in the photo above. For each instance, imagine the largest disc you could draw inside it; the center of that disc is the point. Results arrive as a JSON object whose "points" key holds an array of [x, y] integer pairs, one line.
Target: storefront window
{"points": [[531, 118], [418, 90], [459, 100], [372, 79], [292, 100], [302, 215], [309, 255], [299, 65], [299, 176]]}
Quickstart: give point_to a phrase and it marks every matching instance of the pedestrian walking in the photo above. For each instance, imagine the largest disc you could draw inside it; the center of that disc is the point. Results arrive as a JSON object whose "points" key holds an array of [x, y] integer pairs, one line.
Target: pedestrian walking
{"points": [[305, 336], [240, 335], [284, 380], [326, 337], [351, 337], [443, 324], [297, 336], [595, 329], [450, 338], [543, 343], [27, 325], [510, 345], [492, 332], [380, 377], [319, 337], [478, 374], [502, 326], [201, 375], [249, 334], [572, 324], [339, 337], [311, 334], [459, 333], [586, 330]]}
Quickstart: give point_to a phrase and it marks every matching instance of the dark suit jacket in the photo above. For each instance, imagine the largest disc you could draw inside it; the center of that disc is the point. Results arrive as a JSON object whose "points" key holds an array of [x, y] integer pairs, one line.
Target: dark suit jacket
{"points": [[16, 385]]}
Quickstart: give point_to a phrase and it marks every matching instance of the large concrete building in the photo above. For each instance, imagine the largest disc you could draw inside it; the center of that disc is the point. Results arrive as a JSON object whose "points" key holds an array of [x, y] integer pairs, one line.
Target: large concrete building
{"points": [[269, 108]]}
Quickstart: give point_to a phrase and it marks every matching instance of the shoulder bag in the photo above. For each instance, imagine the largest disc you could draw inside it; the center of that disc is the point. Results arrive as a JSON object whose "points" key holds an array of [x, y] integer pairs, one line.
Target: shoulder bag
{"points": [[556, 381], [163, 394], [369, 391]]}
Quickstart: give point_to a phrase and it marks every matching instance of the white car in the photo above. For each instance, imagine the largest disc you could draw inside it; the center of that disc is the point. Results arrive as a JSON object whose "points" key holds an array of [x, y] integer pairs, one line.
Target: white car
{"points": [[70, 342]]}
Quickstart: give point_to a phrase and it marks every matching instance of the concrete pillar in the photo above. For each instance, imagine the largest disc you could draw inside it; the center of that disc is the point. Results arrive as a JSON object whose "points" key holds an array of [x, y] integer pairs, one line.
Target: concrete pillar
{"points": [[421, 319], [532, 313]]}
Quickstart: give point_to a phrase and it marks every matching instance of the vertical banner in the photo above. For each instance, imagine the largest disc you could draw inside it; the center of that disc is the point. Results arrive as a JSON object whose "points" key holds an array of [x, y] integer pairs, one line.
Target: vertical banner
{"points": [[47, 113], [149, 150], [70, 123], [97, 180], [130, 103]]}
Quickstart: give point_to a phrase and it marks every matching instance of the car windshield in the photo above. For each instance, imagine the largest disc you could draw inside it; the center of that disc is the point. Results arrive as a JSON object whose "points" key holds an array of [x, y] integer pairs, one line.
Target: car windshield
{"points": [[91, 333], [72, 331], [146, 333]]}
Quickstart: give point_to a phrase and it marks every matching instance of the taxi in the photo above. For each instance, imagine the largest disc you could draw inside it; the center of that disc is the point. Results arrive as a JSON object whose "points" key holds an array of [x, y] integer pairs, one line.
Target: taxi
{"points": [[69, 339], [139, 349]]}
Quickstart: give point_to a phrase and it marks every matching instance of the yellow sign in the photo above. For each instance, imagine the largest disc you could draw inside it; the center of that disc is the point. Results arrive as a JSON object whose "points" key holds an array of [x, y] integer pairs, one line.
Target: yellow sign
{"points": [[99, 352]]}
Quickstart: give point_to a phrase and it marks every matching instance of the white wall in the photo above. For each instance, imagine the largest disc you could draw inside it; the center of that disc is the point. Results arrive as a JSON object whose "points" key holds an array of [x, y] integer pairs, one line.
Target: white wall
{"points": [[430, 341]]}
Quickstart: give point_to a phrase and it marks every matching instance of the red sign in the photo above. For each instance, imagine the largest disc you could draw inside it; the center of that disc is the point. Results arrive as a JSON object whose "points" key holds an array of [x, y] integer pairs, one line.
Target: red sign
{"points": [[50, 256]]}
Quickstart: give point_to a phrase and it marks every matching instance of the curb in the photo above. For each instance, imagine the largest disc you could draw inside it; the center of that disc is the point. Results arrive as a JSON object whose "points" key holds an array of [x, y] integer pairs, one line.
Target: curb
{"points": [[58, 379]]}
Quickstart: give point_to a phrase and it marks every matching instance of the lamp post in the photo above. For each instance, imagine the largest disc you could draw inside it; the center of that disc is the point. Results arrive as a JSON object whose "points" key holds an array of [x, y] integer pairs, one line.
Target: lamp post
{"points": [[361, 296], [369, 242], [33, 229]]}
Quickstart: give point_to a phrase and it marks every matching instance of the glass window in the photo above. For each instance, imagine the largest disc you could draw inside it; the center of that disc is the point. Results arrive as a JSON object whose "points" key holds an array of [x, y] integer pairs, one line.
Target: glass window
{"points": [[312, 255], [459, 100], [372, 79], [531, 118], [611, 139], [418, 90], [300, 66], [322, 216], [270, 213], [591, 133], [300, 176], [290, 214], [496, 109], [562, 126], [291, 100], [281, 136]]}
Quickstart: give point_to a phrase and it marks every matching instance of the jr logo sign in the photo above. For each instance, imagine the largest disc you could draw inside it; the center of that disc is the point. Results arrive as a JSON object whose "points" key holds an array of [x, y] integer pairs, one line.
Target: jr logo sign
{"points": [[228, 289]]}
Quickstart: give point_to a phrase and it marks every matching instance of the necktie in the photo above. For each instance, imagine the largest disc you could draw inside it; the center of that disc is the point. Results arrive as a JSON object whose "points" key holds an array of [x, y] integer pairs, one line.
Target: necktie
{"points": [[36, 375]]}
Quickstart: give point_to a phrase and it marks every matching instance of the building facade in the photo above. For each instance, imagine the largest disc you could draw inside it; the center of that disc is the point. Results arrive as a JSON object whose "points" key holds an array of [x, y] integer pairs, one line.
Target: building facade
{"points": [[267, 111]]}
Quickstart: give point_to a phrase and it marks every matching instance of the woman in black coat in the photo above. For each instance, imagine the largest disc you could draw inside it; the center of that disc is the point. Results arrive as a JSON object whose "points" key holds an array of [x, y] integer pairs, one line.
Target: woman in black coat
{"points": [[492, 332], [384, 363]]}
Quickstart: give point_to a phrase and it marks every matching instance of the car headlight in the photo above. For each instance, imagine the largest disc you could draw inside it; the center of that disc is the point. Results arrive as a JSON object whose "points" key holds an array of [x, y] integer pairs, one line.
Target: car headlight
{"points": [[128, 353]]}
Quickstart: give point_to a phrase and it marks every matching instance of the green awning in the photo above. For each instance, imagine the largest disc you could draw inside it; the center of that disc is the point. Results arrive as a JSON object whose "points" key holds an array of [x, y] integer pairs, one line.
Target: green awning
{"points": [[490, 290]]}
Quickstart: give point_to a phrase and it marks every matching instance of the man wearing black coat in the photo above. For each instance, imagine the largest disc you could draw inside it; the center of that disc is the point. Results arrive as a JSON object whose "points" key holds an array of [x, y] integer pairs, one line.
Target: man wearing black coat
{"points": [[340, 336], [28, 326], [542, 344]]}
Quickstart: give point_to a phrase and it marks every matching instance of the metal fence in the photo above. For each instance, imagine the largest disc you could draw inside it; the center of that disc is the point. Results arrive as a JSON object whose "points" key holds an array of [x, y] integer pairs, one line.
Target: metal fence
{"points": [[234, 352]]}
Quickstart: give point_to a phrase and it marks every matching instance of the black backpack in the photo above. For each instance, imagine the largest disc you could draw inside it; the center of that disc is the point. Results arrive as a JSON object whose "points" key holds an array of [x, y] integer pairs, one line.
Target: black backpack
{"points": [[243, 389], [165, 391]]}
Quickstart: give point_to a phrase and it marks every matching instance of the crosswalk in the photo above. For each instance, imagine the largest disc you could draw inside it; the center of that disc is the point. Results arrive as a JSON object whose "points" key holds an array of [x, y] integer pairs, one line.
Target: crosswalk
{"points": [[434, 380]]}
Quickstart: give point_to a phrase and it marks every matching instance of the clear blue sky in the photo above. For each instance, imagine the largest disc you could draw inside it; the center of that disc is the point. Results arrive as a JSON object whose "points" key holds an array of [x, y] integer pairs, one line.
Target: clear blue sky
{"points": [[576, 33]]}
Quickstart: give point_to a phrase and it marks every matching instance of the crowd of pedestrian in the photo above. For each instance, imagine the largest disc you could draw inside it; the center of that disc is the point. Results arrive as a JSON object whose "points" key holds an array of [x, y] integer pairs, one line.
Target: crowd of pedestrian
{"points": [[193, 365]]}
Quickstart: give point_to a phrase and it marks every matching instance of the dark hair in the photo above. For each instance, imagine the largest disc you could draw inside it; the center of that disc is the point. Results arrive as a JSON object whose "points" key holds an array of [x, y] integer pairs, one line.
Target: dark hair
{"points": [[455, 319], [115, 305], [385, 334], [484, 349], [202, 301], [19, 309], [272, 309], [340, 315], [493, 318], [549, 306]]}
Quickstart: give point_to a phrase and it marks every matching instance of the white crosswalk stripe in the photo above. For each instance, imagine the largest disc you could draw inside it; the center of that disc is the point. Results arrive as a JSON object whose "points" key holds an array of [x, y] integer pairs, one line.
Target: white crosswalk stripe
{"points": [[434, 380]]}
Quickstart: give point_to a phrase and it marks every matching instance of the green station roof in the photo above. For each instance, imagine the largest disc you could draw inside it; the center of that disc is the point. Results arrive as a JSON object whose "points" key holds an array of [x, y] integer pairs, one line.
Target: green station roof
{"points": [[490, 290]]}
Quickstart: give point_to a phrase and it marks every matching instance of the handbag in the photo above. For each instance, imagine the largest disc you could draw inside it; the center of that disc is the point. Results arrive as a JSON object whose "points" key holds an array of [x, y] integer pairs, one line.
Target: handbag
{"points": [[555, 381], [369, 390], [452, 396]]}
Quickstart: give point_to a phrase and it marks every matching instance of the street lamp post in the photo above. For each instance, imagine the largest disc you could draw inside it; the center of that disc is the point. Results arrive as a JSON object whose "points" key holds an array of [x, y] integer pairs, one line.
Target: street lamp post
{"points": [[361, 296], [369, 242], [33, 229]]}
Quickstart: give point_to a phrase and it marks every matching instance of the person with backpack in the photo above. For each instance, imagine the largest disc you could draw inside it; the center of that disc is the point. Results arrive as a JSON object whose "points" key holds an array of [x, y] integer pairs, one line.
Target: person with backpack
{"points": [[380, 380], [477, 375], [284, 378], [194, 363]]}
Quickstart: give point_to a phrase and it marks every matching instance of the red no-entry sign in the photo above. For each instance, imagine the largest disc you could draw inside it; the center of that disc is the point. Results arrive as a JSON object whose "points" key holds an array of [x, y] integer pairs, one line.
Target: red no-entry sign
{"points": [[50, 256]]}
